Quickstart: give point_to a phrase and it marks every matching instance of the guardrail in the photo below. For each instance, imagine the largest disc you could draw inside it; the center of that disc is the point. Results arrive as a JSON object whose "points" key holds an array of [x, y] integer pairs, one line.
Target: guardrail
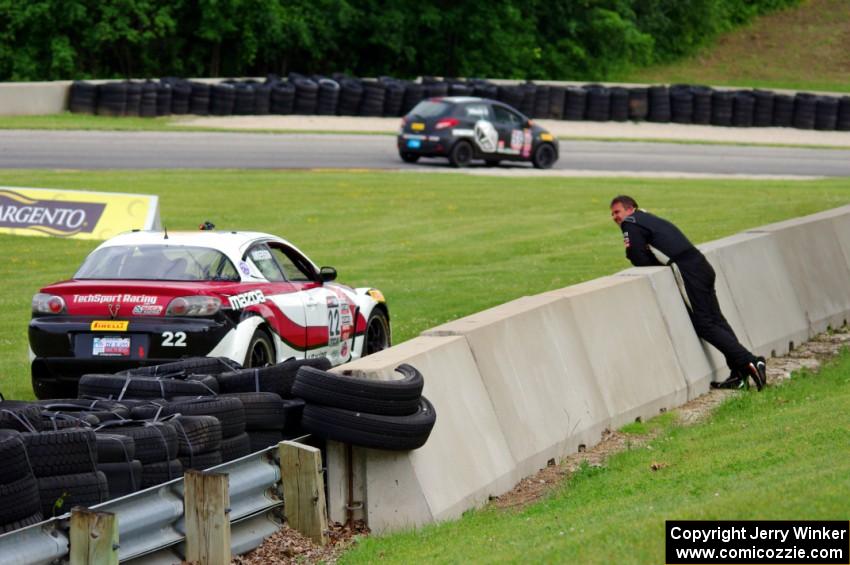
{"points": [[152, 523]]}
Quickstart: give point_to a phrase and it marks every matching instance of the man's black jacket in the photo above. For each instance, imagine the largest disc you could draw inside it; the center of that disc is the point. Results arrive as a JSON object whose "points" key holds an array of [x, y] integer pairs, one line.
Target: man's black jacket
{"points": [[642, 229]]}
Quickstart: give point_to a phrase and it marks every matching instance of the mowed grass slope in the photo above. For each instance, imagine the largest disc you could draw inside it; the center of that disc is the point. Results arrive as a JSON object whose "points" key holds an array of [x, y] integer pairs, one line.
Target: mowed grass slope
{"points": [[775, 455], [806, 47], [440, 246]]}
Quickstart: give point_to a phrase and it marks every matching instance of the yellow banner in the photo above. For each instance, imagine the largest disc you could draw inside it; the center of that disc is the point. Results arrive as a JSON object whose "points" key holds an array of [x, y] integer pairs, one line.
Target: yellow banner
{"points": [[110, 325], [77, 214]]}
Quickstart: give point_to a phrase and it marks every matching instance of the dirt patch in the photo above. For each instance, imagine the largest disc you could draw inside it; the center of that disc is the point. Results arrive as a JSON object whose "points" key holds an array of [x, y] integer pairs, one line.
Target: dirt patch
{"points": [[287, 546]]}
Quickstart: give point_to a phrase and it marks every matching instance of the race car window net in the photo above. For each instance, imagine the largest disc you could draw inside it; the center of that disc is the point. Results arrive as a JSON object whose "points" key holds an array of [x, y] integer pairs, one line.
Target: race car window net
{"points": [[158, 262], [262, 258], [429, 109], [293, 267]]}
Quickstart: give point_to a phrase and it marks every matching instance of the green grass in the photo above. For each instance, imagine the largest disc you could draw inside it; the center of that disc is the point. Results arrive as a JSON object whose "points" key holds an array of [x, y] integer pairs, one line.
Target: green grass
{"points": [[439, 246], [775, 455], [86, 122], [802, 48]]}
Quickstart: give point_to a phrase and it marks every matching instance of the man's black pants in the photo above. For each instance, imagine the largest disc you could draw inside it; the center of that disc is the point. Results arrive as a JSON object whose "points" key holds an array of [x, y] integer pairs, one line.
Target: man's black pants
{"points": [[709, 323]]}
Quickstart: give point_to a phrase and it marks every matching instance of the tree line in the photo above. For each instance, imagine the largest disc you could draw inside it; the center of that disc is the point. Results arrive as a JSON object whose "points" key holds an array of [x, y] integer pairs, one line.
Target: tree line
{"points": [[529, 39]]}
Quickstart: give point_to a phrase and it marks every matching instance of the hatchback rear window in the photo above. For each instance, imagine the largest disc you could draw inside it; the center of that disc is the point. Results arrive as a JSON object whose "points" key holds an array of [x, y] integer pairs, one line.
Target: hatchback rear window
{"points": [[430, 109]]}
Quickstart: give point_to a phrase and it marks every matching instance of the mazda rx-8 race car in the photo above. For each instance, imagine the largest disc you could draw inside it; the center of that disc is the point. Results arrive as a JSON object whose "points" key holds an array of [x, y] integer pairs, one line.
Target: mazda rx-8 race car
{"points": [[144, 298], [465, 128]]}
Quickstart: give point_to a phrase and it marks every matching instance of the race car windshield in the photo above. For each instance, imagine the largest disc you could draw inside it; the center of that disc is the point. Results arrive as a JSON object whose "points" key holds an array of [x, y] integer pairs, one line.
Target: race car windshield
{"points": [[430, 109], [158, 262]]}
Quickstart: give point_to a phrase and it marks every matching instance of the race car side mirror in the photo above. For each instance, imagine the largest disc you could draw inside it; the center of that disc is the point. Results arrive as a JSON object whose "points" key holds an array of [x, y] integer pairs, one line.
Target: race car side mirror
{"points": [[327, 274]]}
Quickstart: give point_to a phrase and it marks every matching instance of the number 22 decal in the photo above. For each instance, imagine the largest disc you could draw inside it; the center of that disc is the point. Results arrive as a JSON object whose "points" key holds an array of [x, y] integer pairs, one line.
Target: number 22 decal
{"points": [[174, 339]]}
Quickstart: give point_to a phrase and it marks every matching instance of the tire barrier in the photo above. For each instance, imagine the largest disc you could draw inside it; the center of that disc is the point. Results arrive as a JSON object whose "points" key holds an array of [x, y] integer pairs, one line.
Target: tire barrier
{"points": [[619, 104], [598, 103], [659, 104], [82, 98], [805, 105], [638, 103], [343, 95], [681, 104], [702, 104]]}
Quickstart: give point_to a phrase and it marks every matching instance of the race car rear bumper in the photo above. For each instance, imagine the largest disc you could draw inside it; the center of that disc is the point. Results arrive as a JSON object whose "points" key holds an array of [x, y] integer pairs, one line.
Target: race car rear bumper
{"points": [[63, 346], [424, 145]]}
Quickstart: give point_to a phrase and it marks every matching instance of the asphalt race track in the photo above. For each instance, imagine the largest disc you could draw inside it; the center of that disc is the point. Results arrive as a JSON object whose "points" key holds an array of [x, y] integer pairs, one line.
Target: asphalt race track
{"points": [[201, 150]]}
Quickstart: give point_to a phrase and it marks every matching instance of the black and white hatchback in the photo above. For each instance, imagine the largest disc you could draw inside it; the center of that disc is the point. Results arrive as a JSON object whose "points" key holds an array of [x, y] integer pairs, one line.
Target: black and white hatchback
{"points": [[464, 129]]}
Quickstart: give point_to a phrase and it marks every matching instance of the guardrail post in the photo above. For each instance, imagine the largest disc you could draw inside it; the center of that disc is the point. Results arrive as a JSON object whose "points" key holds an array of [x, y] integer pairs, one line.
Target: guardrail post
{"points": [[94, 537], [207, 504], [304, 490]]}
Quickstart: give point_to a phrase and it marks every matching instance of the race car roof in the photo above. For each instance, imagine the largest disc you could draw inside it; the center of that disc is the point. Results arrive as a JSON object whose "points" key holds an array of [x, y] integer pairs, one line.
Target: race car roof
{"points": [[231, 243]]}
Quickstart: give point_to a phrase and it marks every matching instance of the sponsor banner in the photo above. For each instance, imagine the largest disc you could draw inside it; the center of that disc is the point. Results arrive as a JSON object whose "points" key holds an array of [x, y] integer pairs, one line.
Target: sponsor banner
{"points": [[75, 213]]}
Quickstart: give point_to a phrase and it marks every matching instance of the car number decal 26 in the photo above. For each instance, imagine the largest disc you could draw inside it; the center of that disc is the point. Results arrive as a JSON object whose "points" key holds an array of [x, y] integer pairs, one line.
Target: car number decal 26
{"points": [[174, 339]]}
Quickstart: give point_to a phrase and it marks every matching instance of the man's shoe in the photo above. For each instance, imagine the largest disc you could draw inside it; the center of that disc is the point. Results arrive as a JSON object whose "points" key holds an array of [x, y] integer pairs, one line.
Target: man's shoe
{"points": [[734, 381], [758, 371]]}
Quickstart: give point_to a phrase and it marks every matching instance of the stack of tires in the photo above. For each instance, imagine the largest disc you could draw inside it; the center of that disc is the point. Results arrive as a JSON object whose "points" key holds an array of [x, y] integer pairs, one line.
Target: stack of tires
{"points": [[389, 415], [82, 98], [20, 505], [372, 103], [64, 463]]}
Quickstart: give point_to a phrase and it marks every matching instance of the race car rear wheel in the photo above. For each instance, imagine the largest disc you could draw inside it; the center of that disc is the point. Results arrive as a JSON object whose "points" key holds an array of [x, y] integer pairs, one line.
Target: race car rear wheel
{"points": [[544, 156], [260, 350], [409, 157], [377, 333], [461, 154]]}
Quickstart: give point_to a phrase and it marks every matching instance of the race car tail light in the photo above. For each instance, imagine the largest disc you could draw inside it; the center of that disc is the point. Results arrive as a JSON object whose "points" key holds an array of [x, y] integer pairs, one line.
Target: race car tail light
{"points": [[193, 306], [447, 123], [43, 303]]}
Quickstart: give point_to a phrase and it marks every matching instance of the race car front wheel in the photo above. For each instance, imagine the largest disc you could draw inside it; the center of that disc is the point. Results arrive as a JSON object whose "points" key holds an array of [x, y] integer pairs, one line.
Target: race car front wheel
{"points": [[461, 154], [544, 156], [260, 350], [377, 333]]}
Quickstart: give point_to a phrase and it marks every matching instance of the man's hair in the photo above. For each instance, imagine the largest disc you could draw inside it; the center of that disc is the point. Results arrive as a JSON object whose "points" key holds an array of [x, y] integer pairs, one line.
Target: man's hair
{"points": [[626, 201]]}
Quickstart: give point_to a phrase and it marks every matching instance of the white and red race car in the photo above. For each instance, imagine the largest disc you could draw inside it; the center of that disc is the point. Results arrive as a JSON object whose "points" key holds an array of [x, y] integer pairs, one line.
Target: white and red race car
{"points": [[145, 298]]}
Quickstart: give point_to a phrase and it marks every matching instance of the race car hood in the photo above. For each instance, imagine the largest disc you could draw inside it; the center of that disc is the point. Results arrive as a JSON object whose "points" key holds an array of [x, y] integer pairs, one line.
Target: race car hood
{"points": [[132, 298]]}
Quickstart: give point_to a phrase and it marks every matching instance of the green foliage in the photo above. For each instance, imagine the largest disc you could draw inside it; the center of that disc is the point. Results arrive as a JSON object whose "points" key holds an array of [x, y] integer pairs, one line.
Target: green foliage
{"points": [[579, 39]]}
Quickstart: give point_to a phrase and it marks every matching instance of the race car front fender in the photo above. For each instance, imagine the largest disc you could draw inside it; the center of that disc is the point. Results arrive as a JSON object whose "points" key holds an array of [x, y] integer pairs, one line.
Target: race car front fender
{"points": [[234, 344]]}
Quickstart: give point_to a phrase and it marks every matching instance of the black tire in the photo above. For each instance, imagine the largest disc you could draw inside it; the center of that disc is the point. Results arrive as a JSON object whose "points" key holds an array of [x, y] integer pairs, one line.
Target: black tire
{"points": [[13, 454], [52, 389], [544, 156], [261, 439], [235, 447], [461, 154], [19, 415], [103, 410], [263, 410], [53, 421], [277, 378], [158, 473], [396, 433], [390, 398], [155, 441], [186, 367], [201, 461], [408, 157], [23, 523], [228, 410], [124, 477], [60, 493], [120, 387], [115, 448], [63, 452], [377, 336], [197, 434], [19, 500], [260, 351]]}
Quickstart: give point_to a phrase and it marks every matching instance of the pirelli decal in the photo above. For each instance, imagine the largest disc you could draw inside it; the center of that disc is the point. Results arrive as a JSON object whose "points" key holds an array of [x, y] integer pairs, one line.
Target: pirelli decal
{"points": [[110, 325]]}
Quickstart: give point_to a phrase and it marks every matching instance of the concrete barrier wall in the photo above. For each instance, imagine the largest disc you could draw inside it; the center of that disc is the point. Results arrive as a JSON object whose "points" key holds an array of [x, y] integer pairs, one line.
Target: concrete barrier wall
{"points": [[33, 98], [816, 262], [534, 379]]}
